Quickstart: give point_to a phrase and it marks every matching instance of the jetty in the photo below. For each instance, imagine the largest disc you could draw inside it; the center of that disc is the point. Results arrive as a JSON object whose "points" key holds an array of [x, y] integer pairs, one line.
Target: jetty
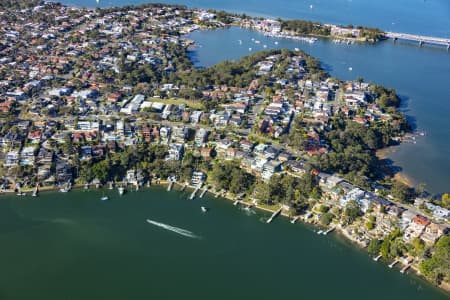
{"points": [[295, 219], [169, 188], [183, 187], [273, 216], [35, 191], [203, 191], [393, 263], [237, 202], [329, 230], [377, 258], [421, 39], [405, 268], [194, 193]]}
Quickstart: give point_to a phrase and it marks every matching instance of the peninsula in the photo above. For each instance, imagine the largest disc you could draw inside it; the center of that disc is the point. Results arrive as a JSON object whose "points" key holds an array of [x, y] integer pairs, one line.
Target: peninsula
{"points": [[110, 96]]}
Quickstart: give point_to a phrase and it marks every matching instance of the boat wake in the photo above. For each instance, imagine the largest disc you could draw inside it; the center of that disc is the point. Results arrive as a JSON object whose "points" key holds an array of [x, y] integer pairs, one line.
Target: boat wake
{"points": [[180, 231]]}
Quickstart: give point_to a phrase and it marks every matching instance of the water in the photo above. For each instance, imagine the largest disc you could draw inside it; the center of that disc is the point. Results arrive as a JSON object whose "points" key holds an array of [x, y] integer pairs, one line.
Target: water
{"points": [[75, 246], [427, 17]]}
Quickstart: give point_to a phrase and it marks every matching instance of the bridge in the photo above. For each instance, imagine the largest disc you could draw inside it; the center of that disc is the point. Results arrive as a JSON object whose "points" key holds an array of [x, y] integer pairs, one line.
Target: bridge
{"points": [[421, 39]]}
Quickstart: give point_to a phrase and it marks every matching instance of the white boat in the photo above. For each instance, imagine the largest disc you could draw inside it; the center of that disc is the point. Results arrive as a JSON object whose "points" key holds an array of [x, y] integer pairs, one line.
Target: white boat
{"points": [[296, 49], [350, 69], [63, 190], [98, 1], [257, 42], [311, 6], [276, 43], [121, 190], [320, 232], [264, 46], [104, 198], [240, 42], [249, 49], [110, 185], [204, 209]]}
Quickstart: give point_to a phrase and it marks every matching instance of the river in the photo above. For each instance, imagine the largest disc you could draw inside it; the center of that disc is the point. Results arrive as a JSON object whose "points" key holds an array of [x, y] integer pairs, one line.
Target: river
{"points": [[74, 246]]}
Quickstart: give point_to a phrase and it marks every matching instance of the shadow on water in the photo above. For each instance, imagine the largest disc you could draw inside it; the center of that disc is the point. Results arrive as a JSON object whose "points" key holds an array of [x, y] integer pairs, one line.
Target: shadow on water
{"points": [[406, 109]]}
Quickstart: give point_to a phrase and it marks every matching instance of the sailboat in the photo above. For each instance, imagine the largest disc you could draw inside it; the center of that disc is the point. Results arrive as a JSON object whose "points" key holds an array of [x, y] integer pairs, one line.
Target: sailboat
{"points": [[98, 1]]}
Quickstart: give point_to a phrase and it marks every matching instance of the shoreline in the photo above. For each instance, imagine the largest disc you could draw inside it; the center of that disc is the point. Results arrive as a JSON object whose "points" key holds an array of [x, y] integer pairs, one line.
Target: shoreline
{"points": [[163, 183], [402, 177]]}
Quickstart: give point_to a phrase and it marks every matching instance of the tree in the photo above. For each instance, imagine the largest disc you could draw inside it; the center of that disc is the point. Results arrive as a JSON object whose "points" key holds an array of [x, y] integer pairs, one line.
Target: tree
{"points": [[437, 268], [351, 212], [374, 247]]}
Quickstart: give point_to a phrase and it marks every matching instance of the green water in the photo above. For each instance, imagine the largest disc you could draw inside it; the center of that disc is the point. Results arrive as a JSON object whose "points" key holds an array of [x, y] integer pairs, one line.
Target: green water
{"points": [[74, 246]]}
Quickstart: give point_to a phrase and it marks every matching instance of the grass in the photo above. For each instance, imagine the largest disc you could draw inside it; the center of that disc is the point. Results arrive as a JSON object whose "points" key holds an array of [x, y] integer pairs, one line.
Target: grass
{"points": [[190, 103]]}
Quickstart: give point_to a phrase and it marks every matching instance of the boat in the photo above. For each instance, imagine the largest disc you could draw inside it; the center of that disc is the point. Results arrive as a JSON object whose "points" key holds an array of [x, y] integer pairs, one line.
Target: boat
{"points": [[240, 42], [63, 190], [257, 42], [276, 43], [236, 202], [296, 49], [350, 68], [104, 198], [86, 186], [249, 49], [320, 232], [98, 1], [264, 46], [311, 6], [21, 194], [121, 190], [110, 185], [204, 209]]}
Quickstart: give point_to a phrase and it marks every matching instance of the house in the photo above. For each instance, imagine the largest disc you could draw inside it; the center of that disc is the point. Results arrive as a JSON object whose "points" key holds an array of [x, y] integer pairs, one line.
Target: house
{"points": [[205, 153], [201, 136], [175, 152], [296, 166], [197, 178], [11, 159], [27, 156], [415, 228], [433, 232], [269, 169], [246, 145]]}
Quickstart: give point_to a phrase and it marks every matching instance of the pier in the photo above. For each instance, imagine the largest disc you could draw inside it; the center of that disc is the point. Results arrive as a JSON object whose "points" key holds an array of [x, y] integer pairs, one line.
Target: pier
{"points": [[294, 219], [377, 258], [393, 263], [420, 39], [329, 230], [169, 188], [237, 202], [194, 193], [273, 216], [183, 187], [405, 268], [203, 191]]}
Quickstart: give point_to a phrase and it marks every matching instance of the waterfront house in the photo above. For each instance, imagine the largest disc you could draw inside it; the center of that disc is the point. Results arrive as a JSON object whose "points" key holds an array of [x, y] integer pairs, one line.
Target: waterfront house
{"points": [[175, 152], [433, 232], [415, 228], [197, 178]]}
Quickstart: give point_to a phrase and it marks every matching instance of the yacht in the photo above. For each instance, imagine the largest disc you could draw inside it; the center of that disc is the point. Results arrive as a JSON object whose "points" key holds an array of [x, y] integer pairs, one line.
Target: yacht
{"points": [[204, 209], [104, 198]]}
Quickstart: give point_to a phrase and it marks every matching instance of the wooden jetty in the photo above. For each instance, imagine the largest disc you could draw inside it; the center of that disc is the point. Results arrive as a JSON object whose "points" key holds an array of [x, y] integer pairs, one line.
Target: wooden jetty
{"points": [[273, 216], [194, 193], [329, 230], [203, 191], [393, 263], [405, 268], [377, 258], [169, 188]]}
